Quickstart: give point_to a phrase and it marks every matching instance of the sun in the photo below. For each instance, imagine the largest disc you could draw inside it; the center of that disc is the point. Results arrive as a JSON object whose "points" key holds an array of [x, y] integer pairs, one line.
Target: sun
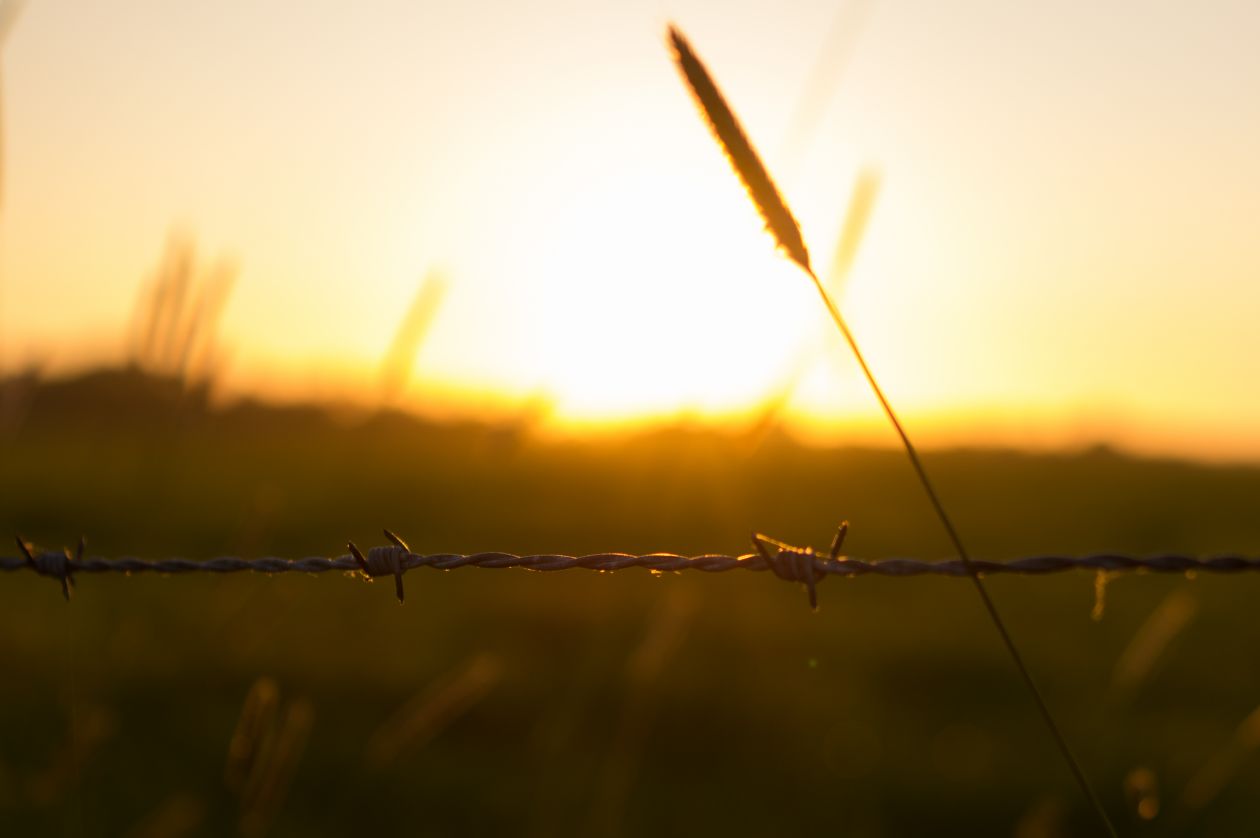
{"points": [[652, 305]]}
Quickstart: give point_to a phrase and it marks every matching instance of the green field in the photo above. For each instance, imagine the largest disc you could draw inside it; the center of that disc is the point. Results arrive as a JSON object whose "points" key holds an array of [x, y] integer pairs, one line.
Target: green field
{"points": [[509, 702]]}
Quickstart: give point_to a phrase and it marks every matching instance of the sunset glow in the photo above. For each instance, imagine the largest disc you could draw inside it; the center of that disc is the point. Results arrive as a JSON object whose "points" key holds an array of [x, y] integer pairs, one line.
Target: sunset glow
{"points": [[1041, 265]]}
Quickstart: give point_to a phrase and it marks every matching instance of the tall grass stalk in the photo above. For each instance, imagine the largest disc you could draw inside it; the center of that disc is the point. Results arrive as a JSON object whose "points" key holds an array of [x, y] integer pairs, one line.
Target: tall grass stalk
{"points": [[782, 225]]}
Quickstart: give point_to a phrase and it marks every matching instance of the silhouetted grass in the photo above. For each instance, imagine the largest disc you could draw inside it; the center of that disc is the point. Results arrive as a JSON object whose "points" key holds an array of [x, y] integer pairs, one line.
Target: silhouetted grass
{"points": [[783, 227]]}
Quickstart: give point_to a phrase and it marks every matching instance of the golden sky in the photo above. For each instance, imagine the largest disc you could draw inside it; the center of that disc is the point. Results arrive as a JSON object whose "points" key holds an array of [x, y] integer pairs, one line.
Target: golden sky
{"points": [[1064, 246]]}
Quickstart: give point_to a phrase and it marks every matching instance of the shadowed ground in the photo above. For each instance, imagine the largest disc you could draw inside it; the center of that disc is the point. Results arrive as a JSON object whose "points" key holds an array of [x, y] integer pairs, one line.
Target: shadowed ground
{"points": [[582, 703]]}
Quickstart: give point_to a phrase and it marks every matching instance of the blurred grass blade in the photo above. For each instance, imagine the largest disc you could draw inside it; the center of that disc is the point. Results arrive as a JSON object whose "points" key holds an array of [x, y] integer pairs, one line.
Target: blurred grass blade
{"points": [[861, 204], [10, 11], [856, 220], [1216, 774], [432, 710], [1151, 641], [398, 362], [824, 78], [258, 715]]}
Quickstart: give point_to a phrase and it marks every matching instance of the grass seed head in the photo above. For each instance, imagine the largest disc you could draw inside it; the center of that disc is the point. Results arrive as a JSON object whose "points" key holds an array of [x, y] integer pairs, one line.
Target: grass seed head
{"points": [[744, 159]]}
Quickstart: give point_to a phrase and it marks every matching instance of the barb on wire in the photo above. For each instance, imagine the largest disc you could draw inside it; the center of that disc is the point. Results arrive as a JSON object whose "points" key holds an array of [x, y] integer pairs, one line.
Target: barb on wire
{"points": [[803, 564], [381, 561], [797, 563], [61, 565]]}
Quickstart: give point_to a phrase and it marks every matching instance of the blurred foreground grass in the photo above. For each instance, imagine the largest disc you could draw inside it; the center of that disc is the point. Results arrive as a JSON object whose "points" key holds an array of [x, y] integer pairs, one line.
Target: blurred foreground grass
{"points": [[584, 703]]}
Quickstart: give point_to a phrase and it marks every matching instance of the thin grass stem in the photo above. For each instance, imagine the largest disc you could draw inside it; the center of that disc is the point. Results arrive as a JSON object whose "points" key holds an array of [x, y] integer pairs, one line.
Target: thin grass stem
{"points": [[948, 524], [782, 225]]}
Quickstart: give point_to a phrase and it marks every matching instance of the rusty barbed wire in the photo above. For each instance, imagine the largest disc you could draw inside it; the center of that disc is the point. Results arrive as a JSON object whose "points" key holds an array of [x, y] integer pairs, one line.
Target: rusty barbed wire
{"points": [[51, 562], [795, 564]]}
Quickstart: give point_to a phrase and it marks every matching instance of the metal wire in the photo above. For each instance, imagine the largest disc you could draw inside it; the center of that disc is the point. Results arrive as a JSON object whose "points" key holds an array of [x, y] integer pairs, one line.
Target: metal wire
{"points": [[794, 564], [55, 563]]}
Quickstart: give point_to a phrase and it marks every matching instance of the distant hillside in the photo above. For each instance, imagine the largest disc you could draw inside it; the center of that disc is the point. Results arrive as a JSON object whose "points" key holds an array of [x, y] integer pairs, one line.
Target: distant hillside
{"points": [[105, 450]]}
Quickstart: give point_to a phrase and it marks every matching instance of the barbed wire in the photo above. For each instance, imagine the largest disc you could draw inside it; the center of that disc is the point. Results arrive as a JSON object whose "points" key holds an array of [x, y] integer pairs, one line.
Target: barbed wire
{"points": [[793, 564]]}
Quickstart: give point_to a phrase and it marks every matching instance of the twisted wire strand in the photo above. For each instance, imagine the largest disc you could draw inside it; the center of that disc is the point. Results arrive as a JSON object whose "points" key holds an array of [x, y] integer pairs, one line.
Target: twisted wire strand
{"points": [[55, 563]]}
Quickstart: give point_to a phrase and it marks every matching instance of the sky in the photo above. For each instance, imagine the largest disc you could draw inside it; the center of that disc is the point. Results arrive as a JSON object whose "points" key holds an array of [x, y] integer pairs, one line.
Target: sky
{"points": [[1062, 250]]}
